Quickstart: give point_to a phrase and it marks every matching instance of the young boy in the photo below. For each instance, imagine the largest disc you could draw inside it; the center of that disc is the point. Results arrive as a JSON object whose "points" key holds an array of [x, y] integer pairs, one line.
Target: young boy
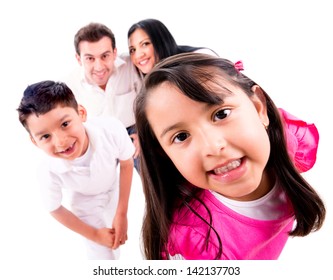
{"points": [[83, 159]]}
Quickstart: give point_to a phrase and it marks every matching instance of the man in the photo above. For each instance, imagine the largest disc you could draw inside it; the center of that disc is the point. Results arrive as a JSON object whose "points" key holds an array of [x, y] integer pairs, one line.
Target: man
{"points": [[105, 84]]}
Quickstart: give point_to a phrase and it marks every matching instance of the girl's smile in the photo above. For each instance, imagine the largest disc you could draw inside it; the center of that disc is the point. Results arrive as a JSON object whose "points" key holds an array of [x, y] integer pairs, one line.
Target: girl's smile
{"points": [[230, 172]]}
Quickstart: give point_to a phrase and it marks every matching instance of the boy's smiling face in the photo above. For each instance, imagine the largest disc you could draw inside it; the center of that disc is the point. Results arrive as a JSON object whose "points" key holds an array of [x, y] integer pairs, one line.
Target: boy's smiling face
{"points": [[60, 132]]}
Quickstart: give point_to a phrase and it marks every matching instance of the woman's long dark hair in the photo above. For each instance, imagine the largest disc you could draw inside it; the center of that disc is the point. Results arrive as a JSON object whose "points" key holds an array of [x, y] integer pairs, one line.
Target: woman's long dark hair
{"points": [[166, 189]]}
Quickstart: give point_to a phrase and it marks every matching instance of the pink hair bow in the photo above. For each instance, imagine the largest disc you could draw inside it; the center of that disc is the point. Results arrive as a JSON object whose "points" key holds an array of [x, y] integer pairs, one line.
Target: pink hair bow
{"points": [[239, 65]]}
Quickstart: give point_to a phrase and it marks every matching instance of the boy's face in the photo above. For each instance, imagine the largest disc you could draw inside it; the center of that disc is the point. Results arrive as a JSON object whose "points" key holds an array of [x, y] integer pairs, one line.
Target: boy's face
{"points": [[60, 132], [97, 60]]}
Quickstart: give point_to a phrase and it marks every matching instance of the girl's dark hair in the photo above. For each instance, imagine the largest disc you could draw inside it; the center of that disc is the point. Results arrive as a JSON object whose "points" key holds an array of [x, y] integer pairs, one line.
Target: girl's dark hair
{"points": [[42, 97], [166, 189]]}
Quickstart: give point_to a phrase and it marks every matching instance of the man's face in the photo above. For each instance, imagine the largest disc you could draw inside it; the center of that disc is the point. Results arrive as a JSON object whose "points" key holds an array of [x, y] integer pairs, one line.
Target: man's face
{"points": [[97, 60]]}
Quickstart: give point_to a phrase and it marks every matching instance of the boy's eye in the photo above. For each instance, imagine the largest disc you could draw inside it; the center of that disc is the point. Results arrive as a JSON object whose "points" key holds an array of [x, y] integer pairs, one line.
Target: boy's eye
{"points": [[65, 124], [180, 137], [44, 137], [222, 114]]}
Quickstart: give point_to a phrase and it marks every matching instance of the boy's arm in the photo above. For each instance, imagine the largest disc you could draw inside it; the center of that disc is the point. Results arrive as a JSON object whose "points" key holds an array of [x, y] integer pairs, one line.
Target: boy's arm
{"points": [[103, 236], [135, 140], [120, 220]]}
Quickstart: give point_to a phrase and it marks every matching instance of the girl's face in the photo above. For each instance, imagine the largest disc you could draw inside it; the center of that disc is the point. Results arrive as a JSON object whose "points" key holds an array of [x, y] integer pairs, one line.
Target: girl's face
{"points": [[60, 132], [141, 51], [223, 147]]}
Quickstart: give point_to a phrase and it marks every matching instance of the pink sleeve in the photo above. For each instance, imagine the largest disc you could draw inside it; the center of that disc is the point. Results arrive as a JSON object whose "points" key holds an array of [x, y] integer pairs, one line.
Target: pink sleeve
{"points": [[190, 244], [302, 141]]}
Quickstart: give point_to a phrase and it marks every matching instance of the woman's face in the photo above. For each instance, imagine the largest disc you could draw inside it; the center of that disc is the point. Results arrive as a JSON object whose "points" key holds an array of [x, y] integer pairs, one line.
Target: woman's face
{"points": [[222, 147], [141, 51]]}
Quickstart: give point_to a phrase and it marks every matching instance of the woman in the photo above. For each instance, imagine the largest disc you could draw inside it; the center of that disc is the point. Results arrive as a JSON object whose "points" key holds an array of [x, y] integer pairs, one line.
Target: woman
{"points": [[150, 41]]}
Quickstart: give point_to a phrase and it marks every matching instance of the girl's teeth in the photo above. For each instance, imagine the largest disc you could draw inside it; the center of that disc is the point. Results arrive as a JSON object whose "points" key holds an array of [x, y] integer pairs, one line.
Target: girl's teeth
{"points": [[230, 166]]}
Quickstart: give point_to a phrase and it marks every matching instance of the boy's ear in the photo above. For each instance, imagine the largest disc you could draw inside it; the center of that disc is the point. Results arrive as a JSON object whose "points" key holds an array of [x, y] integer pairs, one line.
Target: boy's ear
{"points": [[32, 140], [259, 101], [82, 113]]}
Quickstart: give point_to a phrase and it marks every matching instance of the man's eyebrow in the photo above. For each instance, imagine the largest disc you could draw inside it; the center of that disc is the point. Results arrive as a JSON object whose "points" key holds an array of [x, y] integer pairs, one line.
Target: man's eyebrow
{"points": [[88, 54]]}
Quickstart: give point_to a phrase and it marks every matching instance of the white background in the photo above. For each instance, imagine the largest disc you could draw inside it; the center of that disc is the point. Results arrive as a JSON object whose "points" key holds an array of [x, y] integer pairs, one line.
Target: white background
{"points": [[286, 47]]}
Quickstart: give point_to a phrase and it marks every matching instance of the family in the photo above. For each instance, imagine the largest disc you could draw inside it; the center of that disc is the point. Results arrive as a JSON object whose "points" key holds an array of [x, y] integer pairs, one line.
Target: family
{"points": [[220, 164]]}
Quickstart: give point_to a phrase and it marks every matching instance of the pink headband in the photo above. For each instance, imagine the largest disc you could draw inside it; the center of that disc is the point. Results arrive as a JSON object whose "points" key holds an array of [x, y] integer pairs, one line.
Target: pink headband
{"points": [[239, 65]]}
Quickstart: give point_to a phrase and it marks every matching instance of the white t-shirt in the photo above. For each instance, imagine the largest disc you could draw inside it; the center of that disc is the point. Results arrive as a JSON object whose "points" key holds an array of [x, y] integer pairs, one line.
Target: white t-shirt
{"points": [[92, 176], [117, 99], [271, 206]]}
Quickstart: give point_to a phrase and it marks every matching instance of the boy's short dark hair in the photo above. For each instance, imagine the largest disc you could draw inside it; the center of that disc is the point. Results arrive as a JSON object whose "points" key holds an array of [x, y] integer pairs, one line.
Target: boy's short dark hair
{"points": [[42, 97]]}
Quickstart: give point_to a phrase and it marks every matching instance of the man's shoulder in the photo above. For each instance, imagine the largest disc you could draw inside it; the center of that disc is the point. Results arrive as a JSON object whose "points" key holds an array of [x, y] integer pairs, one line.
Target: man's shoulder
{"points": [[125, 57], [124, 61], [125, 70]]}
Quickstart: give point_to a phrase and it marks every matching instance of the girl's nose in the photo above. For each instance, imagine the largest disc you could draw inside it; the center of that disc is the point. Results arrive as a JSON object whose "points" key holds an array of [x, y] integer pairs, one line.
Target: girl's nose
{"points": [[213, 141]]}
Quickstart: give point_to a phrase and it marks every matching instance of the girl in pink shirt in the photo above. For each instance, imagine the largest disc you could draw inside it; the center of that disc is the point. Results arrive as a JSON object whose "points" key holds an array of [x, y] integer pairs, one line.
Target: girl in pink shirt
{"points": [[218, 178]]}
